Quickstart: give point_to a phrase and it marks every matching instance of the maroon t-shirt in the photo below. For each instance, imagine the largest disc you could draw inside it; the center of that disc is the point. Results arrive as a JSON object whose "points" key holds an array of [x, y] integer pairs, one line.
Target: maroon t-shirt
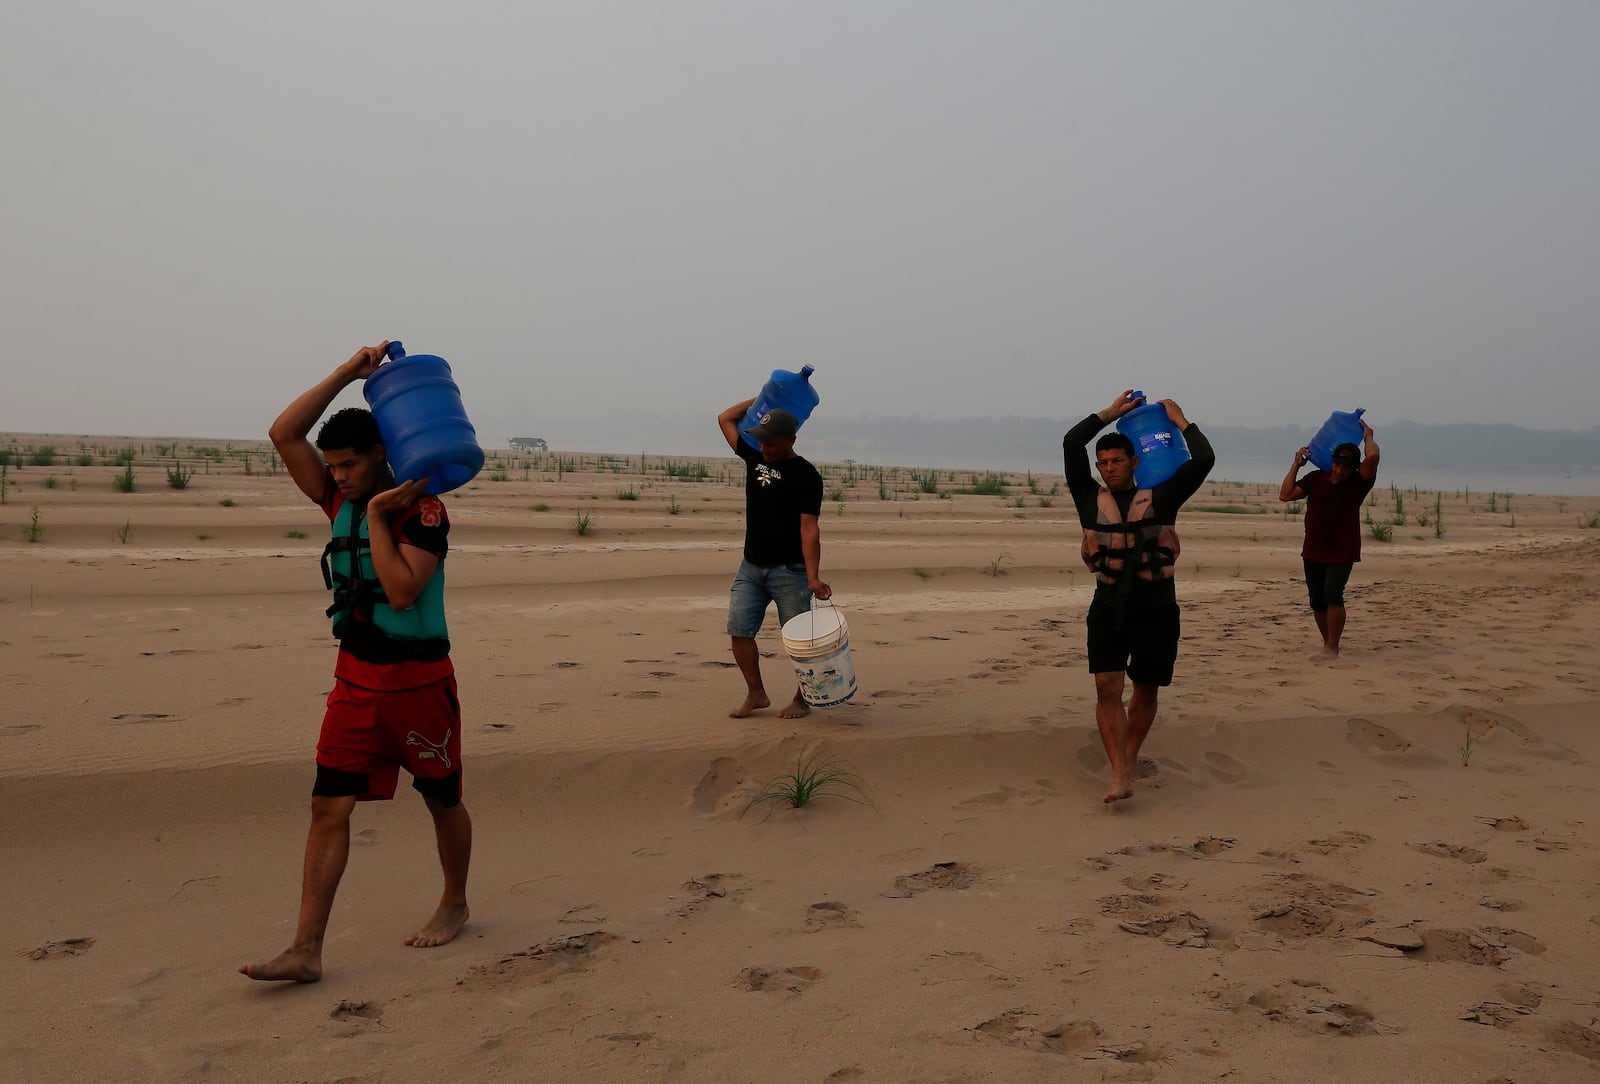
{"points": [[1333, 517]]}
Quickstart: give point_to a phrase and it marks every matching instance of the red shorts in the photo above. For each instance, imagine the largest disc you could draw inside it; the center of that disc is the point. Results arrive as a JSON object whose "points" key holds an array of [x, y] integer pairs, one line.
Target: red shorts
{"points": [[374, 734]]}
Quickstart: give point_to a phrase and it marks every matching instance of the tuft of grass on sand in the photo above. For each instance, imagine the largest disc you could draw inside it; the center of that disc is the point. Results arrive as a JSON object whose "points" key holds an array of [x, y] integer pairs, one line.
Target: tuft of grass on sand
{"points": [[814, 777]]}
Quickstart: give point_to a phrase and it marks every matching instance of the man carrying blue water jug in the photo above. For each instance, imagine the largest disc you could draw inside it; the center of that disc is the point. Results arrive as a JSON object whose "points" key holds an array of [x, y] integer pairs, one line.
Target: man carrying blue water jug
{"points": [[1333, 526], [782, 544], [1131, 546], [393, 703]]}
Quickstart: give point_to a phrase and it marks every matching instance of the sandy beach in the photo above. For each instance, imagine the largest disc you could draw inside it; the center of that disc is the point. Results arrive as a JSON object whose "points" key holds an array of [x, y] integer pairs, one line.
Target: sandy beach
{"points": [[1379, 867]]}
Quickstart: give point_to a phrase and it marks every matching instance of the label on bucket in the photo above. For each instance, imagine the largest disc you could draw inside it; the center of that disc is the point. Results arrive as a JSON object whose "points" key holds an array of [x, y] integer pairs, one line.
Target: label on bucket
{"points": [[1149, 442]]}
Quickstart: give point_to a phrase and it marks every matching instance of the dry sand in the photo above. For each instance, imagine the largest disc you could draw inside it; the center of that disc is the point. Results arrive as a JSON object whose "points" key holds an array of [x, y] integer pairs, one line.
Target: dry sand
{"points": [[1314, 881]]}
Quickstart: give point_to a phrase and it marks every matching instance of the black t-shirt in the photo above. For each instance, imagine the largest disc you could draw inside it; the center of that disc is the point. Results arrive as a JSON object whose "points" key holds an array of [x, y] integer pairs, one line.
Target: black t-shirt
{"points": [[1165, 499], [776, 495]]}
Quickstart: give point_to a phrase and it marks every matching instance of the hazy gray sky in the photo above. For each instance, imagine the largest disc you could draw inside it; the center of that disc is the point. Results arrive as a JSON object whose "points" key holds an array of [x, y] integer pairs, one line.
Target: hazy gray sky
{"points": [[1266, 210]]}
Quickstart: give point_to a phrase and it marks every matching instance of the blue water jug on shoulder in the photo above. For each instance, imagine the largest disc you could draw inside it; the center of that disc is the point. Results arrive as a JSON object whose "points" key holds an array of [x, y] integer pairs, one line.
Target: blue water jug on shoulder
{"points": [[1156, 441], [1340, 428], [423, 424], [784, 391]]}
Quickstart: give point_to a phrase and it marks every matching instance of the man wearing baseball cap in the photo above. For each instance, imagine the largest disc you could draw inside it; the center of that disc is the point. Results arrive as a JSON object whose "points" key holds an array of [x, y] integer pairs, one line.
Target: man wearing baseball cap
{"points": [[1333, 527], [782, 543]]}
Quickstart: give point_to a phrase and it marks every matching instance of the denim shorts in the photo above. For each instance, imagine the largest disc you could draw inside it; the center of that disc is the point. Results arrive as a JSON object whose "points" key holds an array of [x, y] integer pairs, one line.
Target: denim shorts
{"points": [[754, 587]]}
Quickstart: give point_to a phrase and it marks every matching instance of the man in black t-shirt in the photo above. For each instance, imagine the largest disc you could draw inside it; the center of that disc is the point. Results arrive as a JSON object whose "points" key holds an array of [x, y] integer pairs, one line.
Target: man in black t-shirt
{"points": [[1131, 546], [782, 543]]}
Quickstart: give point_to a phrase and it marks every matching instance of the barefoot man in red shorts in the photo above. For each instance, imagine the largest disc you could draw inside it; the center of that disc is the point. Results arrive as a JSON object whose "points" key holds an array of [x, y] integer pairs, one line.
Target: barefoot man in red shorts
{"points": [[393, 703]]}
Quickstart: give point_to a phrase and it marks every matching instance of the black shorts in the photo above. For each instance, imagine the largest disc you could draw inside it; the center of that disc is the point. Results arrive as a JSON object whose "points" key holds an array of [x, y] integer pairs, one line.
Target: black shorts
{"points": [[1145, 646], [1325, 584]]}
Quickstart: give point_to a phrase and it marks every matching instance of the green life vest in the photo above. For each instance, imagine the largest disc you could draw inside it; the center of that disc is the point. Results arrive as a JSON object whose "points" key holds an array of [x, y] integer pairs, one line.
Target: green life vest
{"points": [[362, 618]]}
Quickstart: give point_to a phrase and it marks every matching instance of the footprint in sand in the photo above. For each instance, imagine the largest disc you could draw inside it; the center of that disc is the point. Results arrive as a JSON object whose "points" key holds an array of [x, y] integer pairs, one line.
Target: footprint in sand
{"points": [[1500, 903], [566, 665], [718, 788], [543, 962], [1181, 929], [1200, 848], [191, 888], [712, 886], [1573, 1037], [953, 876], [367, 837], [1437, 849], [356, 1010], [15, 729], [952, 965], [585, 914], [1310, 1006], [829, 915], [1128, 903], [54, 950], [1505, 824], [1366, 734], [788, 980], [640, 694], [499, 726], [1082, 1038], [1003, 796], [1298, 919], [1478, 947], [1341, 842], [139, 716], [1225, 767]]}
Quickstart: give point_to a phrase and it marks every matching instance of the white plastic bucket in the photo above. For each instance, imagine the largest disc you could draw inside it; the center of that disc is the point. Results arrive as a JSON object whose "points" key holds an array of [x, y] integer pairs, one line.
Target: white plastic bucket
{"points": [[818, 643]]}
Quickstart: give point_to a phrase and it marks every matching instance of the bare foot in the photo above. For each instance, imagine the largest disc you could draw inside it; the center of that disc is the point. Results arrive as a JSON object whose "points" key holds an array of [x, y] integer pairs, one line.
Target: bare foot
{"points": [[1330, 652], [442, 927], [797, 709], [755, 700], [1120, 789], [292, 965]]}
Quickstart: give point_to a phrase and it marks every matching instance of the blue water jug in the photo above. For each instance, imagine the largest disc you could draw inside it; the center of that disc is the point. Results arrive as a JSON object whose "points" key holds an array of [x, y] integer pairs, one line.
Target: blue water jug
{"points": [[1157, 443], [1340, 428], [785, 391], [423, 424]]}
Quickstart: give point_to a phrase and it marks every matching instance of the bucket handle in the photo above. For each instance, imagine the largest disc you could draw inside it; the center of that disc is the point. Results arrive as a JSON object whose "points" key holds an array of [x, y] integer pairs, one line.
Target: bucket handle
{"points": [[814, 600]]}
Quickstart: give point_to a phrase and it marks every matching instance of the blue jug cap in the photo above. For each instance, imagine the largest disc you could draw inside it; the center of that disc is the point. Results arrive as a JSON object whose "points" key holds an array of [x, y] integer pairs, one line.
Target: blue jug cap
{"points": [[396, 350], [807, 370]]}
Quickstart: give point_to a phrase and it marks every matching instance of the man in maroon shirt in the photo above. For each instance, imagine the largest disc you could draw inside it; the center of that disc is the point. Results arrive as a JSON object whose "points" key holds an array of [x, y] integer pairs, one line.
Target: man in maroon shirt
{"points": [[1333, 527]]}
